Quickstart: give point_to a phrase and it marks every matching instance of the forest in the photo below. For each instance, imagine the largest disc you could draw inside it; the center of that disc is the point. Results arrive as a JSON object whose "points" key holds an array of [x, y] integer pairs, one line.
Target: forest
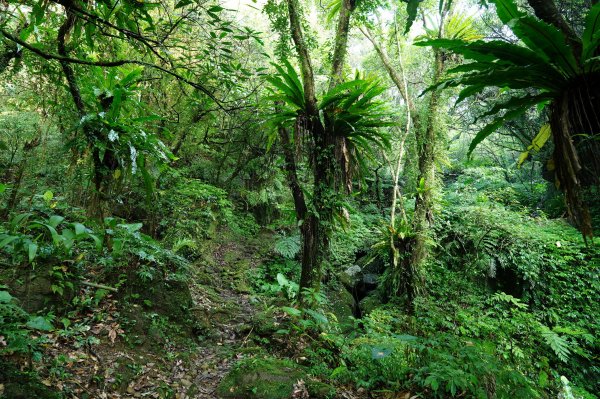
{"points": [[273, 199]]}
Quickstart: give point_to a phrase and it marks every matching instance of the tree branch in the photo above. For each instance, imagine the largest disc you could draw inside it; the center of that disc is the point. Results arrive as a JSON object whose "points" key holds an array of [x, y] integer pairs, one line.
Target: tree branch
{"points": [[108, 64]]}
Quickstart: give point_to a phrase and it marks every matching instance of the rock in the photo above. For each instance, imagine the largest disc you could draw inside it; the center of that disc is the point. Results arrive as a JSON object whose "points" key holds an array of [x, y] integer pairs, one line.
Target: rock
{"points": [[370, 265], [351, 276], [341, 303], [360, 282], [370, 281], [370, 302], [186, 383], [36, 293], [269, 379]]}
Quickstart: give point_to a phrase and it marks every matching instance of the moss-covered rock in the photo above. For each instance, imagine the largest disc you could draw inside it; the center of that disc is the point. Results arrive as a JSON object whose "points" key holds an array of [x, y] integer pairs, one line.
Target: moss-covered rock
{"points": [[156, 309], [341, 304], [370, 302], [269, 378], [18, 384]]}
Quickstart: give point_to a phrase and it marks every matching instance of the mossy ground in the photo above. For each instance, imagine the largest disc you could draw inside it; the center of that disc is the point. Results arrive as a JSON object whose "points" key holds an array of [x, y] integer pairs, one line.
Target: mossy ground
{"points": [[269, 378]]}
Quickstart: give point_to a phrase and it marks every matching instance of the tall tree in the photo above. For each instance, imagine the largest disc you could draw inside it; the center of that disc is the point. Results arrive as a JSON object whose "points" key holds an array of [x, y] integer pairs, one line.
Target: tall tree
{"points": [[337, 127]]}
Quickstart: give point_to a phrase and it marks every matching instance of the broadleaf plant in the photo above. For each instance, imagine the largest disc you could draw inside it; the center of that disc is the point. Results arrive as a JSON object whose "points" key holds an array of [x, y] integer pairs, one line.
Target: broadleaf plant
{"points": [[546, 62]]}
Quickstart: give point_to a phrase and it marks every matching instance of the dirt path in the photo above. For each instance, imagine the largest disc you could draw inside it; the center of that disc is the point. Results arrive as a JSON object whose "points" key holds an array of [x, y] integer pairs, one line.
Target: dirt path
{"points": [[230, 314], [163, 360]]}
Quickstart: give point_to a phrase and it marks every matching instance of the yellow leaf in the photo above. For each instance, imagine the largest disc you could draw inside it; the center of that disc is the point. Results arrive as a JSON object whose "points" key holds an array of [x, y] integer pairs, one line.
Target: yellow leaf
{"points": [[117, 174], [541, 138], [522, 158], [536, 144]]}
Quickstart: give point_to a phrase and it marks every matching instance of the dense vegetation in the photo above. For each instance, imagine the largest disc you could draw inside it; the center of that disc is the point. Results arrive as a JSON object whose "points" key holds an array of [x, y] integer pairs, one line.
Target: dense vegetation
{"points": [[285, 199]]}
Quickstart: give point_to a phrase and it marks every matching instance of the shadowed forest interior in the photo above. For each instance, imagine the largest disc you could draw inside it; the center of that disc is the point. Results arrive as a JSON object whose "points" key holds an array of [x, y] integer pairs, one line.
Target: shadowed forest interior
{"points": [[273, 199]]}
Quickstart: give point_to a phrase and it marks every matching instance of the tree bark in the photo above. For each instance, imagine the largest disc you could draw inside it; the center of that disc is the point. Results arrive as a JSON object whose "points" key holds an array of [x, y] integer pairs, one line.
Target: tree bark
{"points": [[412, 281], [291, 171], [341, 42], [317, 224]]}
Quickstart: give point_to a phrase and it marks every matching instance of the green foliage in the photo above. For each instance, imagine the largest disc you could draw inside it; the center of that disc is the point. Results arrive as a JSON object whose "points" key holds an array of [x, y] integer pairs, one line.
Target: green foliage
{"points": [[357, 114], [115, 130], [132, 251], [546, 63], [439, 365], [288, 246], [534, 261], [21, 333], [353, 236], [309, 318], [29, 236], [277, 277], [192, 209]]}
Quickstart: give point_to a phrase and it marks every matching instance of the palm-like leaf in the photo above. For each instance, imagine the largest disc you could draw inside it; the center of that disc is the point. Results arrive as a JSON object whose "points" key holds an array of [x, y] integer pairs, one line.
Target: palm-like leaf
{"points": [[544, 62], [287, 81], [591, 37], [358, 114]]}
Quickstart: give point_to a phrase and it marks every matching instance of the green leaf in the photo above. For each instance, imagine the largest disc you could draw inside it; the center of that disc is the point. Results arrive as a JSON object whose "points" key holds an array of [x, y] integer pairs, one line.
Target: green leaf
{"points": [[132, 227], [183, 3], [495, 51], [412, 6], [7, 240], [57, 289], [547, 41], [5, 297], [39, 10], [32, 251], [97, 241], [559, 344], [507, 10], [292, 311], [79, 229], [317, 316], [68, 238], [131, 77], [53, 233], [39, 323], [492, 127], [543, 379], [517, 102], [55, 220], [591, 34], [288, 246], [282, 280], [406, 338], [48, 195]]}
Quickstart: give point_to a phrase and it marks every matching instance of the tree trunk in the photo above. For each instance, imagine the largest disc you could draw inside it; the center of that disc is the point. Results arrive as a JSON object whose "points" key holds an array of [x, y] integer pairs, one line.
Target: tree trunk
{"points": [[396, 76], [97, 199], [317, 223], [412, 281]]}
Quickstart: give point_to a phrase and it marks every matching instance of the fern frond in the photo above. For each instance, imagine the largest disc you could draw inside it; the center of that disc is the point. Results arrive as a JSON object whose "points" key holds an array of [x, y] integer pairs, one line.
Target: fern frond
{"points": [[288, 246], [560, 346]]}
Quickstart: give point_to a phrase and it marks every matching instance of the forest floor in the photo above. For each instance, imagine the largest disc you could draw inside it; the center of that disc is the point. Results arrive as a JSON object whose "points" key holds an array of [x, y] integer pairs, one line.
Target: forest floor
{"points": [[127, 346], [164, 365]]}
